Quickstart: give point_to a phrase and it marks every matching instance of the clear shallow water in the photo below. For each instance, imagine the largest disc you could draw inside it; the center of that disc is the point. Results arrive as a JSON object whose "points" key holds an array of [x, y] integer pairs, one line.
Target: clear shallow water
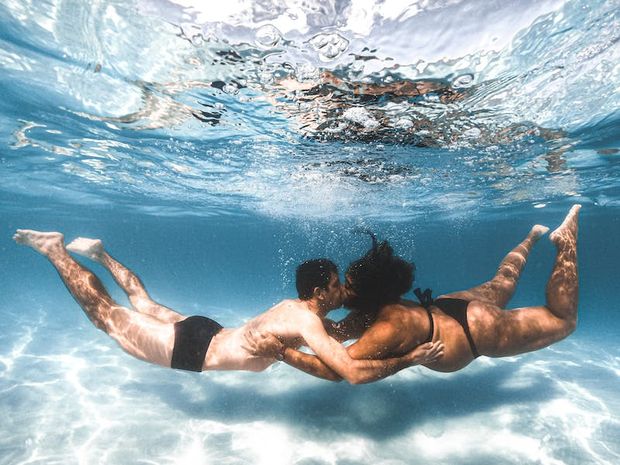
{"points": [[165, 130]]}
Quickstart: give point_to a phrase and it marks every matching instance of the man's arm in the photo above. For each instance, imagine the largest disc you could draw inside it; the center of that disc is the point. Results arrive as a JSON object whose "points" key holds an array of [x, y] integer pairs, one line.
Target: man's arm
{"points": [[375, 343], [311, 364], [378, 335], [336, 357]]}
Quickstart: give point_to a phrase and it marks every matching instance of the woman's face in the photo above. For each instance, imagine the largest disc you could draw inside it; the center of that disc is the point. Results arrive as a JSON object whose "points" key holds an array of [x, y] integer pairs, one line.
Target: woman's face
{"points": [[349, 296]]}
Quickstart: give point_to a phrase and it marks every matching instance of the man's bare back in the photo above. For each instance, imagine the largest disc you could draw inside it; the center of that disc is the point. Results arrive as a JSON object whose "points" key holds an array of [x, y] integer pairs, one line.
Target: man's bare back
{"points": [[235, 348]]}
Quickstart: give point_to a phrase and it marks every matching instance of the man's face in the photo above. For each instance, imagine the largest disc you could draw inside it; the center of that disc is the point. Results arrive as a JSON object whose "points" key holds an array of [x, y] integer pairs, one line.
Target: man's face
{"points": [[348, 294], [334, 293]]}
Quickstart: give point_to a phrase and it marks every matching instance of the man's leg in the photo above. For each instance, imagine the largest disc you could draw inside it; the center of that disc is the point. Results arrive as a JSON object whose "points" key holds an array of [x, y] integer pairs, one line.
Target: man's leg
{"points": [[140, 335], [500, 289], [126, 279], [509, 332]]}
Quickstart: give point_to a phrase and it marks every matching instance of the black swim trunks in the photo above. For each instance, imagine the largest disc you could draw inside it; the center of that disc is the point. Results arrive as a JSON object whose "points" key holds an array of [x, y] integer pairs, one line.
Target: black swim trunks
{"points": [[192, 337]]}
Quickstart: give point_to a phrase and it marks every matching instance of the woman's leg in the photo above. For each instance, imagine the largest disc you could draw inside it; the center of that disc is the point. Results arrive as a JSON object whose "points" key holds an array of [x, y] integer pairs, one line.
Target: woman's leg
{"points": [[501, 333], [500, 289]]}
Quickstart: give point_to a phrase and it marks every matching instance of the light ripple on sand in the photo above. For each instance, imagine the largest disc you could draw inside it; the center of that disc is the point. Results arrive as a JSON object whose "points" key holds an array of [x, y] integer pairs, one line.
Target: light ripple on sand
{"points": [[94, 404]]}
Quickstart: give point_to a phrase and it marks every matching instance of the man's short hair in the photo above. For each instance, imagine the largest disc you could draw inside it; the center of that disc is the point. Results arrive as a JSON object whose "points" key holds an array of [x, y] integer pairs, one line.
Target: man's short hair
{"points": [[379, 277], [313, 273]]}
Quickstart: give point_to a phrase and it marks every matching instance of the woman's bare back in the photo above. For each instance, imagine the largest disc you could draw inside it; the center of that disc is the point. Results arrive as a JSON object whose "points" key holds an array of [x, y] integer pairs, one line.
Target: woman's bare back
{"points": [[401, 327]]}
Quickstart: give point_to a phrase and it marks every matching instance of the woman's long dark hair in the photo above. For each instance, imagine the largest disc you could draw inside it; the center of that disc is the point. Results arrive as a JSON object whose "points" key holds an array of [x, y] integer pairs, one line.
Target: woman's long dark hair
{"points": [[379, 277]]}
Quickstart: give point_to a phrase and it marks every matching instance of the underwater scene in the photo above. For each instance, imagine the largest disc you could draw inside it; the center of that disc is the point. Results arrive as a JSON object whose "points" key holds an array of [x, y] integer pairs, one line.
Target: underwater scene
{"points": [[213, 147]]}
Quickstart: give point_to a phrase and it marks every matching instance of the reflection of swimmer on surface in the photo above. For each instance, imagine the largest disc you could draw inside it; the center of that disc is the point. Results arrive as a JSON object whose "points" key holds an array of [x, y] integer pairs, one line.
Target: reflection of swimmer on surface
{"points": [[160, 109], [424, 113], [420, 113], [157, 334], [401, 88], [334, 108], [469, 323]]}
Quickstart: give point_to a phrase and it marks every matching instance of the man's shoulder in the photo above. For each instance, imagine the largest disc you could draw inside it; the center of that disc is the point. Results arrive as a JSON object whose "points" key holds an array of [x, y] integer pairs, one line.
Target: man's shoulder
{"points": [[296, 310], [294, 304]]}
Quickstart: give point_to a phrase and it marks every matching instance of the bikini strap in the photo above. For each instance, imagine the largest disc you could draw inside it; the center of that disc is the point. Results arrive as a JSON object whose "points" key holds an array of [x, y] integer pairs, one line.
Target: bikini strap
{"points": [[425, 298]]}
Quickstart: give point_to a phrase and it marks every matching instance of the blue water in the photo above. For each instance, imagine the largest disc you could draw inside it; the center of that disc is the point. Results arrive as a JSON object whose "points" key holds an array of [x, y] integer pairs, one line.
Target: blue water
{"points": [[110, 127]]}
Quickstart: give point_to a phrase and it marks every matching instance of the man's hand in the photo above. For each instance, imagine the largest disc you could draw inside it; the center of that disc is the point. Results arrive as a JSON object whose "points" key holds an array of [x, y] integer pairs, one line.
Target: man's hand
{"points": [[428, 352], [262, 344]]}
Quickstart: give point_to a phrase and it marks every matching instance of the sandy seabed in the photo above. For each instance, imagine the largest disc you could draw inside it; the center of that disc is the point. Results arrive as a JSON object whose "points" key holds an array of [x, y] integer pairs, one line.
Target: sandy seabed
{"points": [[70, 396]]}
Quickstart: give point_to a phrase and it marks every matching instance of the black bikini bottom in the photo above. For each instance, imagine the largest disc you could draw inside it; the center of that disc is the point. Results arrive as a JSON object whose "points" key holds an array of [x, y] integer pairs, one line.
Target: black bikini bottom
{"points": [[457, 309]]}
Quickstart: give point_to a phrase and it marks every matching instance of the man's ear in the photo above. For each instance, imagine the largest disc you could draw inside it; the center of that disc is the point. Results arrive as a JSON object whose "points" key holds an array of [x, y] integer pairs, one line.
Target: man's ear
{"points": [[317, 293]]}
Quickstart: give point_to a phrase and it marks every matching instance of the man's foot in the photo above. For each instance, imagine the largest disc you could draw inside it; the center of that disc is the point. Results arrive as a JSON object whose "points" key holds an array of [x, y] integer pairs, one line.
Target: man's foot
{"points": [[566, 233], [43, 242], [89, 248]]}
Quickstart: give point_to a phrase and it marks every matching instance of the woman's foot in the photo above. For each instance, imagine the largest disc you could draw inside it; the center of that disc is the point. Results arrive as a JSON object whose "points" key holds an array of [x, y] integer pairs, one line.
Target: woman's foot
{"points": [[538, 230], [566, 233]]}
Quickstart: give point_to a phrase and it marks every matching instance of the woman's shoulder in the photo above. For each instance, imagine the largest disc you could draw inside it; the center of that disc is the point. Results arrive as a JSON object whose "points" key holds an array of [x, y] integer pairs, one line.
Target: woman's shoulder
{"points": [[401, 309]]}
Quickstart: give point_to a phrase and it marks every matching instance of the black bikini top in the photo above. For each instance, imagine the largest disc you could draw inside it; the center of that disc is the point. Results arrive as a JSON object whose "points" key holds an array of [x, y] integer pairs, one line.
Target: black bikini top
{"points": [[426, 300]]}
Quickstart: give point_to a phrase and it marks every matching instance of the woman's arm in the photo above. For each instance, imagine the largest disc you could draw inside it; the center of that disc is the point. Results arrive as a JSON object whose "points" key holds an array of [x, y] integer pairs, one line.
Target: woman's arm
{"points": [[350, 327], [311, 364], [336, 357], [375, 342]]}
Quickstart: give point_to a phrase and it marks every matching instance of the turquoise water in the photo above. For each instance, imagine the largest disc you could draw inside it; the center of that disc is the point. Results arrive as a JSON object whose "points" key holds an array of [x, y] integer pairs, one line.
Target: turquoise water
{"points": [[163, 129]]}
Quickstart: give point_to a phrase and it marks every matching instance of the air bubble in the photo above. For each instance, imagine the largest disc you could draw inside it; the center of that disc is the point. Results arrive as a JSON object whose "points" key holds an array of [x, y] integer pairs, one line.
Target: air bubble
{"points": [[357, 67], [404, 123], [329, 45], [230, 89], [472, 133], [193, 33], [463, 81], [197, 40], [307, 72], [268, 36], [360, 116]]}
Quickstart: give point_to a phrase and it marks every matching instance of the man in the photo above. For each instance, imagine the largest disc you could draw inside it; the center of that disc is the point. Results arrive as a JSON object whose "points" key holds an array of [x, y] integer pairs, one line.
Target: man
{"points": [[157, 334], [470, 323]]}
